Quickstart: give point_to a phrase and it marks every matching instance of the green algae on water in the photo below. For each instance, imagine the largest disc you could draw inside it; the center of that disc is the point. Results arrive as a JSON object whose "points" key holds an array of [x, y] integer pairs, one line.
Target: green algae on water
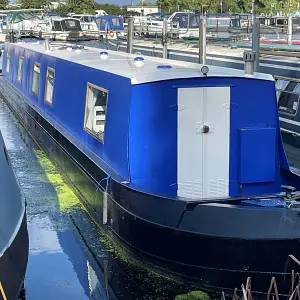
{"points": [[194, 295], [67, 199]]}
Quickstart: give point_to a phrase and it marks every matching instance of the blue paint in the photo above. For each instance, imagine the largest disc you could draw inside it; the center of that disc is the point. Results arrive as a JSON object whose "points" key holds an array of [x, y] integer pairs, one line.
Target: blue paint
{"points": [[140, 142], [138, 58], [110, 22], [153, 137], [164, 67], [276, 202], [257, 155], [69, 103]]}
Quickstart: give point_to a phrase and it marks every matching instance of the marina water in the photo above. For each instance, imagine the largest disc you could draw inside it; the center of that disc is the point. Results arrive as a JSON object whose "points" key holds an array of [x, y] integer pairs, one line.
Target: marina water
{"points": [[70, 257]]}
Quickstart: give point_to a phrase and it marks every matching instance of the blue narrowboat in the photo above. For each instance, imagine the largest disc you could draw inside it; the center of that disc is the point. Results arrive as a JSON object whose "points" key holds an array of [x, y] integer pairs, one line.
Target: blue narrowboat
{"points": [[110, 26], [188, 162]]}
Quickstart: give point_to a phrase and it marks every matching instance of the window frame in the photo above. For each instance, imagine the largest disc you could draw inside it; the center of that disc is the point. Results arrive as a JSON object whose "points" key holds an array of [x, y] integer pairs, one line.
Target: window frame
{"points": [[20, 74], [39, 65], [8, 56], [92, 133], [45, 100], [280, 90]]}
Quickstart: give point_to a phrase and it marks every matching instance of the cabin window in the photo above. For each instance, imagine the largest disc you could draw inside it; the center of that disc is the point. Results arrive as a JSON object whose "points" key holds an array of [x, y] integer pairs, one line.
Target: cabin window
{"points": [[49, 86], [95, 111], [287, 96], [103, 24], [7, 62], [87, 19], [20, 68], [36, 78], [115, 21], [72, 25], [57, 26]]}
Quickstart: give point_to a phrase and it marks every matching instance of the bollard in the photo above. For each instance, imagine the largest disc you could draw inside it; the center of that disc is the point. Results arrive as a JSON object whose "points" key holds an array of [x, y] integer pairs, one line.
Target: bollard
{"points": [[165, 38], [47, 44], [130, 36], [256, 42], [249, 59], [202, 41], [290, 30], [12, 36]]}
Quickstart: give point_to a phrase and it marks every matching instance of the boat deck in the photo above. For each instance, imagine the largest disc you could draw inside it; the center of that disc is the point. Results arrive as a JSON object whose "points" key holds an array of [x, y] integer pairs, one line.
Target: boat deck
{"points": [[122, 64]]}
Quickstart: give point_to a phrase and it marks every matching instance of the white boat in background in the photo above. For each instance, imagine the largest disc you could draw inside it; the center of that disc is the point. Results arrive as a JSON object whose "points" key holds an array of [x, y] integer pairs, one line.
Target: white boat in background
{"points": [[88, 25], [3, 18], [110, 27], [23, 23], [60, 29], [180, 24]]}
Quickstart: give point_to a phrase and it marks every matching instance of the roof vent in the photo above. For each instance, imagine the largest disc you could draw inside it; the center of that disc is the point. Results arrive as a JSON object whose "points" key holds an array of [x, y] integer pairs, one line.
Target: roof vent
{"points": [[103, 55], [164, 67], [47, 45], [249, 59], [139, 61], [78, 49]]}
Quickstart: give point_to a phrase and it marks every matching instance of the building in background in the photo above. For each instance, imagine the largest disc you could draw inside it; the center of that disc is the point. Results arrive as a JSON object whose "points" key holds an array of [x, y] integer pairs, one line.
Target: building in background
{"points": [[144, 10], [54, 5]]}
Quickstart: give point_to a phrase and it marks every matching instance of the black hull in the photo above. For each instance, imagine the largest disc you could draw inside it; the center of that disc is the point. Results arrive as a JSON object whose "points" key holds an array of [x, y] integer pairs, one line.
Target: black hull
{"points": [[13, 264], [158, 229]]}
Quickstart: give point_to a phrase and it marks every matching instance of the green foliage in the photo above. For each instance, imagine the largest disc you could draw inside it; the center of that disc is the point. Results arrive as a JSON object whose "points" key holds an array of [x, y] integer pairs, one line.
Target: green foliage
{"points": [[62, 9], [3, 4], [111, 9], [81, 6], [166, 6], [232, 6], [194, 295], [147, 3], [35, 3]]}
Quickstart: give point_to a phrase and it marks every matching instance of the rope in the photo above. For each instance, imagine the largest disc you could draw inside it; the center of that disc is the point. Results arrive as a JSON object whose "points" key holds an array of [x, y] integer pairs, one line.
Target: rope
{"points": [[2, 292], [99, 183]]}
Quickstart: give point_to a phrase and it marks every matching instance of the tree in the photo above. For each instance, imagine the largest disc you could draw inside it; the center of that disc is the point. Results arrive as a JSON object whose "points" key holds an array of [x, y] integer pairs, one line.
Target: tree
{"points": [[35, 3], [81, 6], [146, 3], [62, 9], [3, 4], [111, 9], [165, 5]]}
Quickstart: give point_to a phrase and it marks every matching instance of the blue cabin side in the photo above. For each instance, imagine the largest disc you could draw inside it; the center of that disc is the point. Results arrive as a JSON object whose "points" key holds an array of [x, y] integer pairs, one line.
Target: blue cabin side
{"points": [[141, 138], [110, 22]]}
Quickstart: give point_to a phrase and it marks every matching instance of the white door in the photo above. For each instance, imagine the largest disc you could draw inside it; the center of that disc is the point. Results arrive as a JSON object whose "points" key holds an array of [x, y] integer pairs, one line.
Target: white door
{"points": [[203, 142]]}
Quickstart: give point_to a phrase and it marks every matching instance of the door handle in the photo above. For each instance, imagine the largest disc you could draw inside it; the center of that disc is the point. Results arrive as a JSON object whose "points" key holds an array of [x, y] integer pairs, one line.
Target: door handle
{"points": [[205, 129]]}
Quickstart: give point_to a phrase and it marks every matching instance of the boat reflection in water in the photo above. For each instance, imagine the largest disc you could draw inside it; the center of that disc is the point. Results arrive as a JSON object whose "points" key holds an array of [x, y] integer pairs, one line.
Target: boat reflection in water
{"points": [[70, 257], [107, 273]]}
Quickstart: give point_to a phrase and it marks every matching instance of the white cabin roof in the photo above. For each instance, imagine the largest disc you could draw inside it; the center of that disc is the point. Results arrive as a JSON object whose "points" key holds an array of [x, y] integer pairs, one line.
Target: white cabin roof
{"points": [[122, 64], [55, 18], [83, 15]]}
